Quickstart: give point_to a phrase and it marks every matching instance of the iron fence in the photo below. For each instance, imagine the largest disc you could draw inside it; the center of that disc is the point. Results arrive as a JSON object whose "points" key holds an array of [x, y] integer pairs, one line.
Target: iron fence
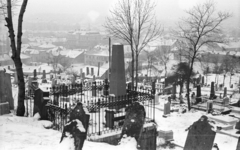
{"points": [[106, 111]]}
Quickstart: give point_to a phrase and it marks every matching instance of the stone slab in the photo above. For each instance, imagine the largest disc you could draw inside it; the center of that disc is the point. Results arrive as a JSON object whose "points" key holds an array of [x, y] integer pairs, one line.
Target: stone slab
{"points": [[223, 119]]}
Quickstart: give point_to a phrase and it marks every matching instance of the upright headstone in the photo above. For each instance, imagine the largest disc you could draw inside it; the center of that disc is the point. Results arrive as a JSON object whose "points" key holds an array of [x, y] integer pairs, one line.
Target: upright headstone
{"points": [[226, 101], [209, 106], [198, 96], [77, 126], [87, 71], [38, 101], [134, 121], [92, 71], [6, 91], [34, 74], [44, 80], [200, 135], [83, 75], [117, 78], [44, 74], [153, 87], [167, 108], [94, 78], [212, 92], [225, 92]]}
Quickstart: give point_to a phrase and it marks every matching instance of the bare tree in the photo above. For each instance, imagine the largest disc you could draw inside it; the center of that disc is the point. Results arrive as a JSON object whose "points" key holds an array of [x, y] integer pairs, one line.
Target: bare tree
{"points": [[134, 22], [229, 65], [202, 27], [7, 11], [162, 54], [205, 64]]}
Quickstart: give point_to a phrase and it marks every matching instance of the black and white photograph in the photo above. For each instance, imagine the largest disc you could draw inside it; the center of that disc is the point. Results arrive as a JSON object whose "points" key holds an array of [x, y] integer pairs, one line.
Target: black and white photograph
{"points": [[120, 74]]}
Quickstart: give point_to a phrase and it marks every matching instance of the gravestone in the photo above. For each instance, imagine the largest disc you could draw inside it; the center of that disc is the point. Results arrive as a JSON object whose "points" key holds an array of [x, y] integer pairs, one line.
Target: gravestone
{"points": [[226, 101], [92, 71], [87, 71], [83, 75], [44, 80], [117, 78], [212, 92], [6, 92], [200, 135], [209, 106], [51, 77], [38, 102], [77, 126], [225, 92], [198, 96], [134, 121], [166, 108], [34, 74]]}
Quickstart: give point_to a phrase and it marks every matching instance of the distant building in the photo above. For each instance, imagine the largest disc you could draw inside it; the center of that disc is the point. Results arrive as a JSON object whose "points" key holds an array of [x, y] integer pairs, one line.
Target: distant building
{"points": [[94, 57]]}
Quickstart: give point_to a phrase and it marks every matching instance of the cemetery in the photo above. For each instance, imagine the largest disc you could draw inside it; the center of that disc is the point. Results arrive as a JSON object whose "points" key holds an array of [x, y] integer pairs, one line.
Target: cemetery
{"points": [[110, 109]]}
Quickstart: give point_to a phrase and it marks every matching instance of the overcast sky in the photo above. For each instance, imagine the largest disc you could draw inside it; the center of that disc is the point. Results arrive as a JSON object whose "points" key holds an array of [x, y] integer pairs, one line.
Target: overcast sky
{"points": [[166, 10]]}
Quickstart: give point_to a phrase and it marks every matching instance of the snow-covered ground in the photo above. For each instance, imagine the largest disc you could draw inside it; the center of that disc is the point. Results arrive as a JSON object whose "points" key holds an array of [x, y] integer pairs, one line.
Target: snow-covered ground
{"points": [[21, 133]]}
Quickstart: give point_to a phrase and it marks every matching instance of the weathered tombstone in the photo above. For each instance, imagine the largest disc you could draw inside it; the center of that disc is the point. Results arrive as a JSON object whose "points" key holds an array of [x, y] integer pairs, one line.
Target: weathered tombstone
{"points": [[38, 101], [198, 96], [35, 74], [6, 99], [226, 101], [117, 78], [166, 109], [212, 92], [209, 106], [77, 126], [134, 121], [44, 80], [44, 74], [200, 135], [83, 75], [225, 92], [87, 70], [92, 71]]}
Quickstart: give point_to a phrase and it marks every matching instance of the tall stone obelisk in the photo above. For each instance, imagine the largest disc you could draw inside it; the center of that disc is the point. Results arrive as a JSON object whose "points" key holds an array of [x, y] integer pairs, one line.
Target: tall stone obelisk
{"points": [[117, 78]]}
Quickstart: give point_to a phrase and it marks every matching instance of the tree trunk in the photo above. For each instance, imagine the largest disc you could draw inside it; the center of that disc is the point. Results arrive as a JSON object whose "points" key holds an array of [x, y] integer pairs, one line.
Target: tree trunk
{"points": [[16, 52], [136, 77], [132, 67], [21, 87], [188, 83], [165, 74], [181, 88]]}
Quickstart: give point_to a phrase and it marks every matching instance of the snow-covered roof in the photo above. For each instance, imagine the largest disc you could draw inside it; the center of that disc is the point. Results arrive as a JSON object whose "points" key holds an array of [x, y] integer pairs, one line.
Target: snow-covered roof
{"points": [[72, 53], [47, 46]]}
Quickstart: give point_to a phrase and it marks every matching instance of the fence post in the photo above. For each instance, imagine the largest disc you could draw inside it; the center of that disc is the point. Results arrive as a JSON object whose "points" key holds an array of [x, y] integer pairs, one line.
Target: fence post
{"points": [[99, 124]]}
